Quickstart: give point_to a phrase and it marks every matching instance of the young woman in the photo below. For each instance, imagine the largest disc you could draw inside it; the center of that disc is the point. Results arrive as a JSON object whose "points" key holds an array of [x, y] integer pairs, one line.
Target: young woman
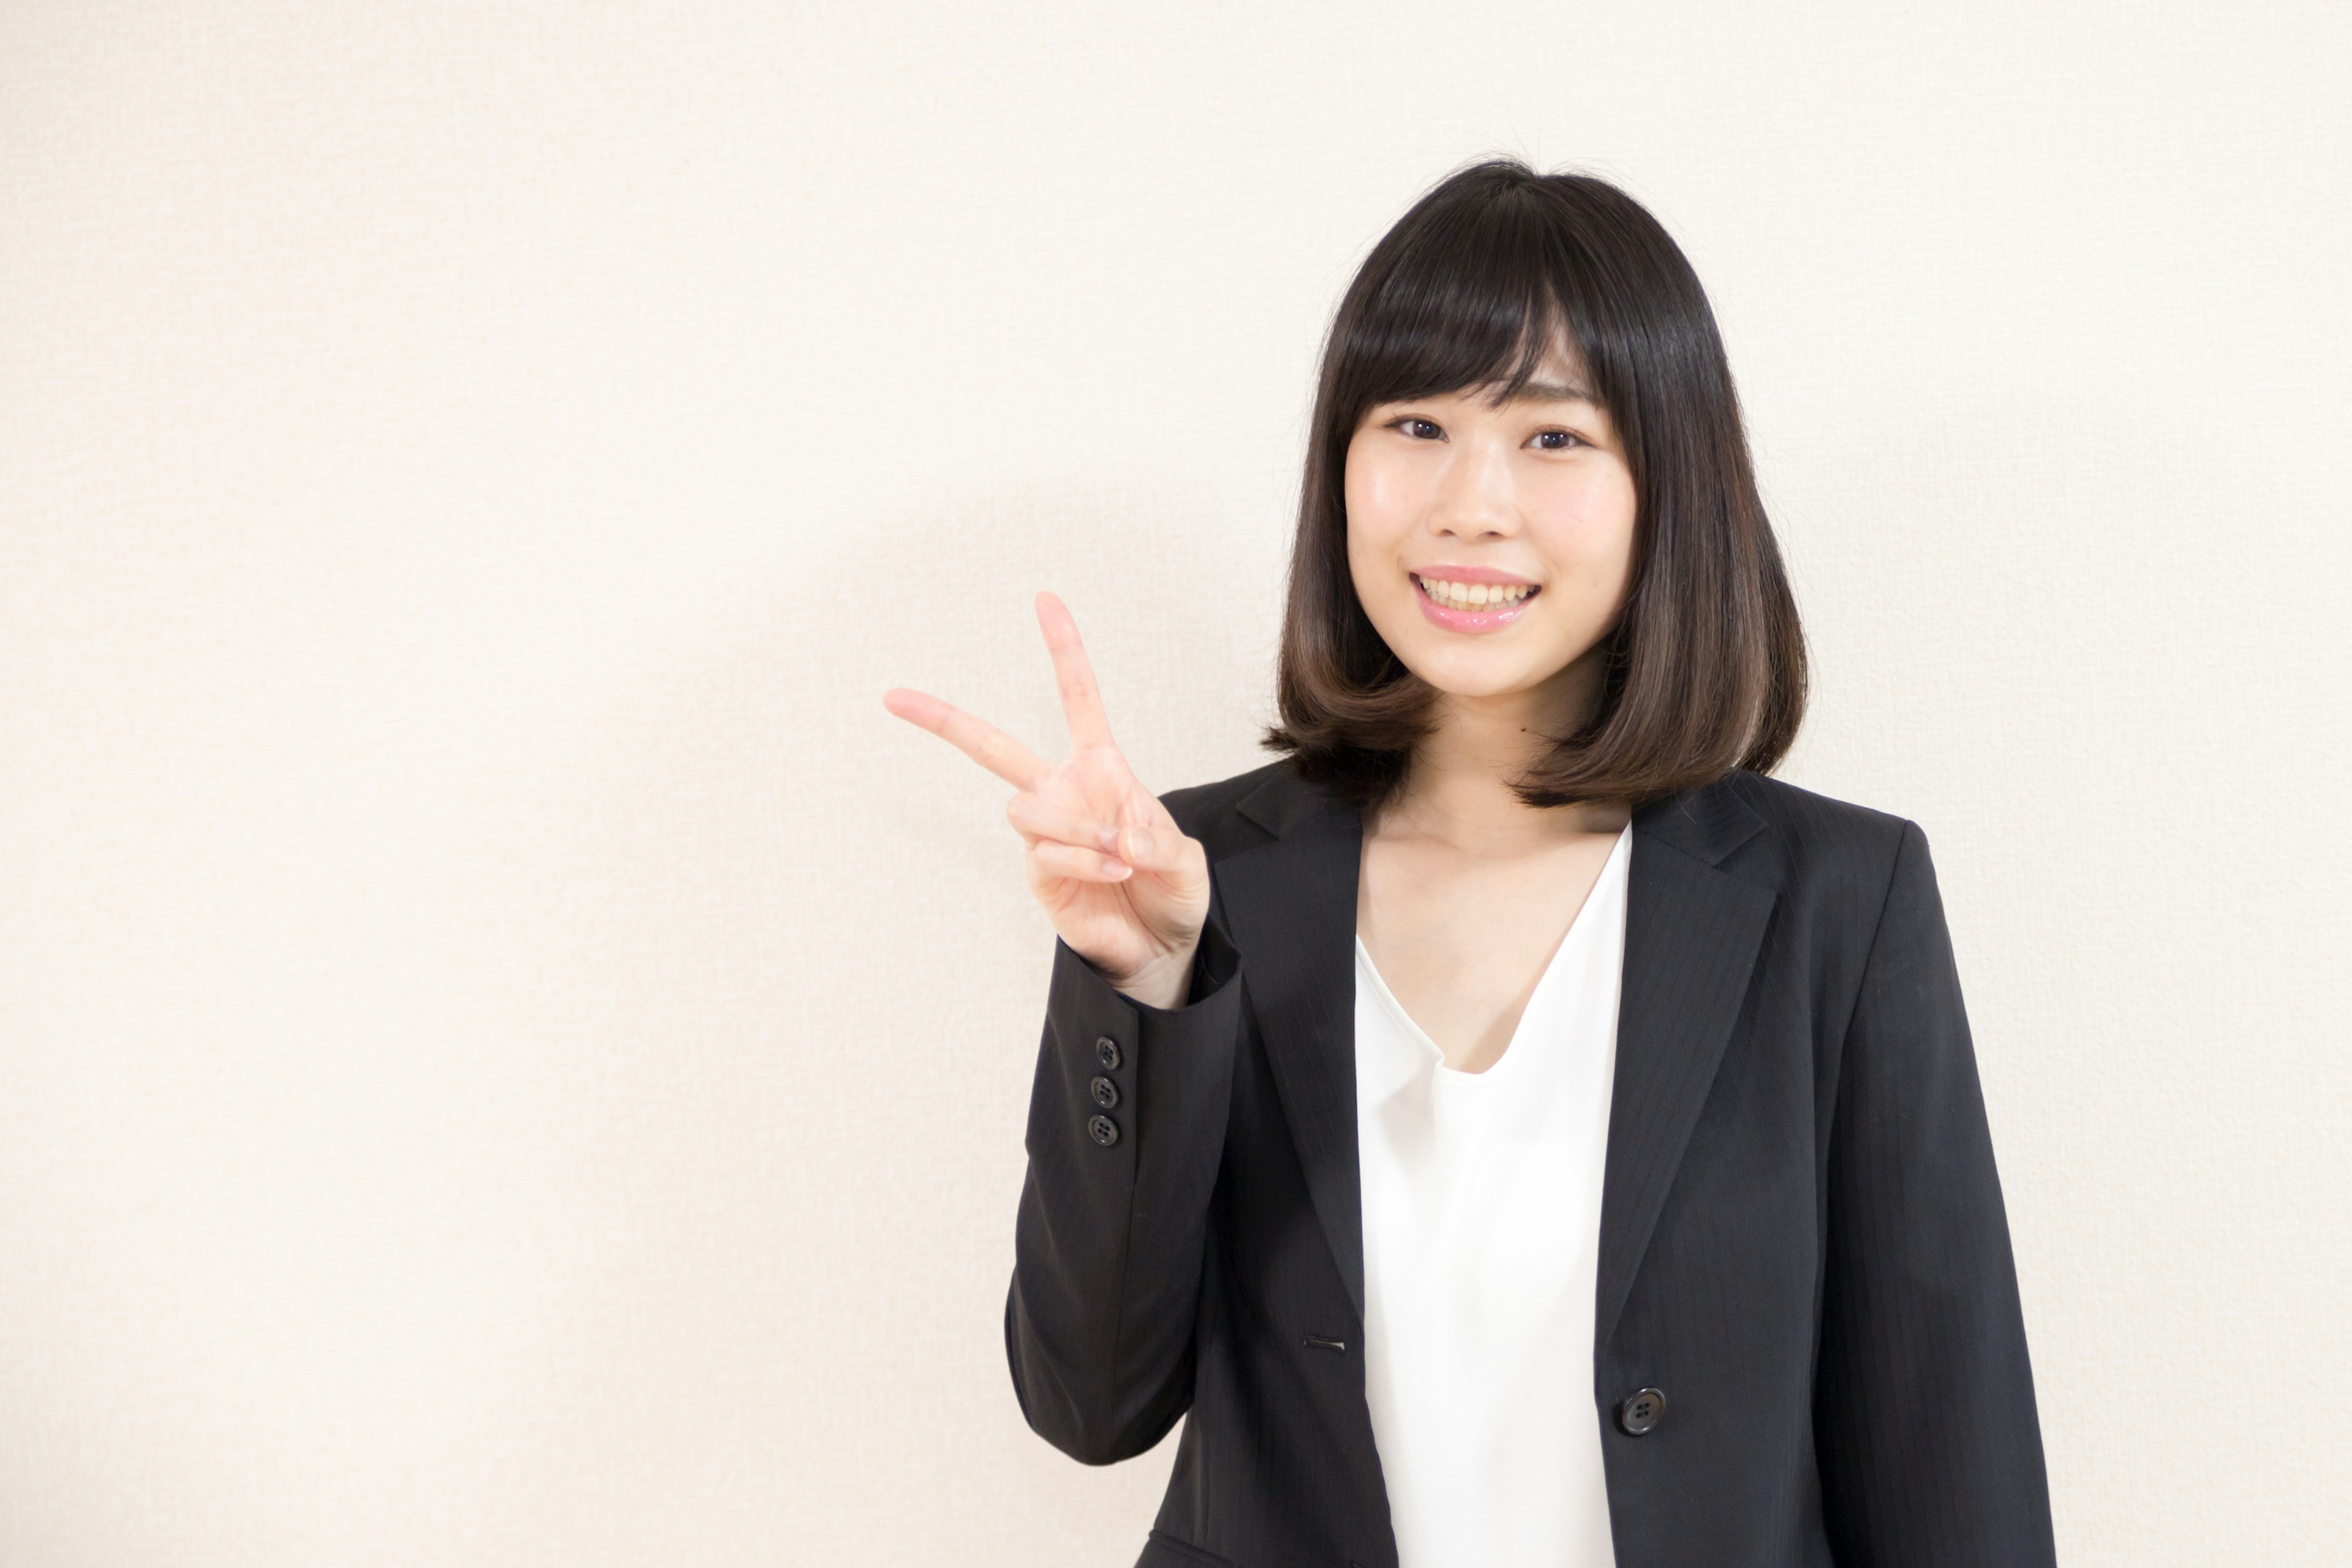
{"points": [[1512, 1126]]}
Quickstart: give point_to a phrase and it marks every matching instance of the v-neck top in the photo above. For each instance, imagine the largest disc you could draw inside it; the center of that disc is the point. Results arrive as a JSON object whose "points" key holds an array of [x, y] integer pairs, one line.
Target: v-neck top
{"points": [[1482, 1223]]}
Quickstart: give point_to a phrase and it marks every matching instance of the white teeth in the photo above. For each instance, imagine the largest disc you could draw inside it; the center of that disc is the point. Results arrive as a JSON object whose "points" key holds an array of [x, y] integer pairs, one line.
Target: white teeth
{"points": [[1474, 595]]}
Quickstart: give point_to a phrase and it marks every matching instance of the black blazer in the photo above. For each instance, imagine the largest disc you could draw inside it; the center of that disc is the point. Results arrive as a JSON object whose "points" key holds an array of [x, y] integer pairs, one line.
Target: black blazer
{"points": [[1803, 1251]]}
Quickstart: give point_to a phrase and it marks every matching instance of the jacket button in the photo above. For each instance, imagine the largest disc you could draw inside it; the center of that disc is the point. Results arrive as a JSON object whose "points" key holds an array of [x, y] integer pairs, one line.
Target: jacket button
{"points": [[1642, 1412], [1106, 1053], [1102, 1130], [1105, 1092]]}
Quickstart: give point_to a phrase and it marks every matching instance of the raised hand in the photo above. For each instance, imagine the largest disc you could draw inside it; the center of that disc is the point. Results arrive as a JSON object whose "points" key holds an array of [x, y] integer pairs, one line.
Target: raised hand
{"points": [[1125, 887]]}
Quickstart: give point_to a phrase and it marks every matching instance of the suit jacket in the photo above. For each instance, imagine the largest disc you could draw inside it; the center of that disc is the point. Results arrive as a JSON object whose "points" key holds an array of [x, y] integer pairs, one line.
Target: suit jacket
{"points": [[1804, 1257]]}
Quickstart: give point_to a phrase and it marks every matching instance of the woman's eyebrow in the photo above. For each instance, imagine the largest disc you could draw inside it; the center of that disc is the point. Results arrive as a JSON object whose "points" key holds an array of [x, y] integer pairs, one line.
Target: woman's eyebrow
{"points": [[1554, 392]]}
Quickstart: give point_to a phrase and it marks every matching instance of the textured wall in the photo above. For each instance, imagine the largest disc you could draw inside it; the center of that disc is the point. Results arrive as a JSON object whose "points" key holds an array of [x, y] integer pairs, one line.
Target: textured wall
{"points": [[507, 1055]]}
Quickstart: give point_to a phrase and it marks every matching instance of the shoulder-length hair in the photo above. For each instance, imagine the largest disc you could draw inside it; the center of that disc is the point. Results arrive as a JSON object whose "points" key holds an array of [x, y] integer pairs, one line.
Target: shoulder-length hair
{"points": [[1705, 669]]}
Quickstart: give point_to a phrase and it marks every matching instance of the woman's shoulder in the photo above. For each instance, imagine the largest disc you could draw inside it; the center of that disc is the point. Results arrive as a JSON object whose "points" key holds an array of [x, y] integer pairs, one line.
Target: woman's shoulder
{"points": [[1809, 818], [1820, 847], [1248, 809]]}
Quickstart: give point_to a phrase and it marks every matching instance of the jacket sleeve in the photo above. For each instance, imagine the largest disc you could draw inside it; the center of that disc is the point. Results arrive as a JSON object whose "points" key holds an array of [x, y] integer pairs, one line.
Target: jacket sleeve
{"points": [[1113, 1214], [1924, 1419]]}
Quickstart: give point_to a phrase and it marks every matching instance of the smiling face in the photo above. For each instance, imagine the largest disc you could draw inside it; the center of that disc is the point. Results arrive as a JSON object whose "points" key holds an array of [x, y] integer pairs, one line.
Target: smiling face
{"points": [[1492, 545]]}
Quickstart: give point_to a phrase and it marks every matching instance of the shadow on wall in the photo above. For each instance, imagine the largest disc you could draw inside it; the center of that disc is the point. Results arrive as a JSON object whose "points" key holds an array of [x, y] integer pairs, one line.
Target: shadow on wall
{"points": [[777, 945]]}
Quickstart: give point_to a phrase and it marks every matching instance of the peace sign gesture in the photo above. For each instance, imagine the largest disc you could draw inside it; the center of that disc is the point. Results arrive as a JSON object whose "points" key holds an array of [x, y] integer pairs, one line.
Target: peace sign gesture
{"points": [[1125, 887]]}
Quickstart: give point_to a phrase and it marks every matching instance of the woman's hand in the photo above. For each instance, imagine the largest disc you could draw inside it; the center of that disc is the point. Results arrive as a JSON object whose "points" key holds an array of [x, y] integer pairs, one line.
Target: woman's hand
{"points": [[1125, 887]]}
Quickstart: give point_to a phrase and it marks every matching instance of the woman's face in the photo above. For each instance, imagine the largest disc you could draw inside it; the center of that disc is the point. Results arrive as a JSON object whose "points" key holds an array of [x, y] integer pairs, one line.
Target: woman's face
{"points": [[1492, 546]]}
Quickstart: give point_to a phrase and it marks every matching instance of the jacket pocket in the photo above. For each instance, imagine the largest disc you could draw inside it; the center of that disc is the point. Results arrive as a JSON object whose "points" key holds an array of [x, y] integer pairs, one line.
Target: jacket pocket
{"points": [[1167, 1551]]}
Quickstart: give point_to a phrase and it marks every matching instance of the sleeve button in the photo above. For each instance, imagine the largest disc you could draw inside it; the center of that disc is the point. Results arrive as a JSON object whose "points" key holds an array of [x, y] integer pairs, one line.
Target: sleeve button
{"points": [[1106, 1053], [1103, 1131], [1105, 1092], [1643, 1412]]}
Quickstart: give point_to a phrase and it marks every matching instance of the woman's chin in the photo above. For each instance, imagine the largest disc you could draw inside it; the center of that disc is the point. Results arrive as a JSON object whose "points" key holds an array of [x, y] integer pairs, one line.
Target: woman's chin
{"points": [[1482, 672], [1476, 680]]}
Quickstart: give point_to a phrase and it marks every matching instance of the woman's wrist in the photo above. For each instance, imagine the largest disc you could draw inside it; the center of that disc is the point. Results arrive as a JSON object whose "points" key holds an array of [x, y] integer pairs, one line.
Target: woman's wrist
{"points": [[1163, 982]]}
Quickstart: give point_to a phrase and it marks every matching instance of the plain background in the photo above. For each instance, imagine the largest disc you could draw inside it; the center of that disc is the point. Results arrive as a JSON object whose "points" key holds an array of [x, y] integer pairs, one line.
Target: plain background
{"points": [[509, 1056]]}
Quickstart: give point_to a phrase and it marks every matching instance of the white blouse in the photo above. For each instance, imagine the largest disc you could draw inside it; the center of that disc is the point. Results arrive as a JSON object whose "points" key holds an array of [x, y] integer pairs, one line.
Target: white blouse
{"points": [[1482, 1228]]}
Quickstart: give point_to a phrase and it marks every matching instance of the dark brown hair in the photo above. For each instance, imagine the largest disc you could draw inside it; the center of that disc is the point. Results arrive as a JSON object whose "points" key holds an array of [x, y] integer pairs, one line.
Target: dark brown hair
{"points": [[1705, 669]]}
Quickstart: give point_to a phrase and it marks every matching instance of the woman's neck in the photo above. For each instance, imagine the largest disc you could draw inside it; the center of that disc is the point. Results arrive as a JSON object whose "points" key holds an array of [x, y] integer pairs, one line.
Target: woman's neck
{"points": [[1458, 785]]}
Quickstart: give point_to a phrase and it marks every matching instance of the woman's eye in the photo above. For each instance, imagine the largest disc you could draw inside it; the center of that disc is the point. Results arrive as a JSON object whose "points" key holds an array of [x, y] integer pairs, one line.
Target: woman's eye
{"points": [[1557, 440], [1420, 429]]}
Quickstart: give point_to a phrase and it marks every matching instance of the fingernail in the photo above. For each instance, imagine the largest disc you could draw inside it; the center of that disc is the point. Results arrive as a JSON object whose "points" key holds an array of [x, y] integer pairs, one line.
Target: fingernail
{"points": [[1106, 840], [1139, 845]]}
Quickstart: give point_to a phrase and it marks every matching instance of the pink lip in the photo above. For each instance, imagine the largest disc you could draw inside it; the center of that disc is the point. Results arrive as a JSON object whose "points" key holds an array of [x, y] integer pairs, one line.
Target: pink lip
{"points": [[1473, 621], [1471, 574]]}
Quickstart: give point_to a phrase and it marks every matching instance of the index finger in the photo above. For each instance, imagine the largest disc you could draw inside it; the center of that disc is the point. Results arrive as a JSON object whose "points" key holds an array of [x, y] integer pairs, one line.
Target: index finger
{"points": [[1081, 697], [985, 744]]}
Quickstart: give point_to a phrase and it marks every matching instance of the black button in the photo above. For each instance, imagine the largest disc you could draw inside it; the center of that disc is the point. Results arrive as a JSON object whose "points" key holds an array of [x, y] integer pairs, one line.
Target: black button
{"points": [[1642, 1412], [1105, 1092], [1103, 1130], [1106, 1053]]}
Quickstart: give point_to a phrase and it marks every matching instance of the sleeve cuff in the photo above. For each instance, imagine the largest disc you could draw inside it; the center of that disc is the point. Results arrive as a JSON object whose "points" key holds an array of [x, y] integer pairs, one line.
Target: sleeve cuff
{"points": [[1111, 1055]]}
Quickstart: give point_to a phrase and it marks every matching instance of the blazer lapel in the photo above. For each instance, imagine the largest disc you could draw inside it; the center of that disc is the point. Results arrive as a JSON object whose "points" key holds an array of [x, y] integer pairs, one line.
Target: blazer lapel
{"points": [[1691, 934], [1291, 905]]}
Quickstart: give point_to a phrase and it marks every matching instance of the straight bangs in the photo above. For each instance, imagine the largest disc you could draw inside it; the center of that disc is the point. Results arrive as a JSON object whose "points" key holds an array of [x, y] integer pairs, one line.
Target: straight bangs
{"points": [[1476, 304], [1496, 270]]}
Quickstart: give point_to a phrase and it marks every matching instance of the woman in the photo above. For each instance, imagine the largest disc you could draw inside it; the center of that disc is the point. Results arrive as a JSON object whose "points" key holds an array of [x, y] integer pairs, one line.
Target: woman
{"points": [[1516, 1129]]}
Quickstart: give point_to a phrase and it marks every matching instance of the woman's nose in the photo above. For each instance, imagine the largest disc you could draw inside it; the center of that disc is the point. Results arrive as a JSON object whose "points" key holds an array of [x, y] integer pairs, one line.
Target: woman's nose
{"points": [[1475, 498]]}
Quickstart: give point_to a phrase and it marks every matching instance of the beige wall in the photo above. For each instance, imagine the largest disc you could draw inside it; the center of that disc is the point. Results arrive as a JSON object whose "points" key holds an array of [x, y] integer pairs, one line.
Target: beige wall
{"points": [[509, 1057]]}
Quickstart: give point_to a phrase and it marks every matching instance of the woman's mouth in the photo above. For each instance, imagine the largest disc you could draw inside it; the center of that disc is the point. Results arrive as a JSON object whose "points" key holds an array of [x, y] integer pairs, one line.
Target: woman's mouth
{"points": [[1463, 606]]}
